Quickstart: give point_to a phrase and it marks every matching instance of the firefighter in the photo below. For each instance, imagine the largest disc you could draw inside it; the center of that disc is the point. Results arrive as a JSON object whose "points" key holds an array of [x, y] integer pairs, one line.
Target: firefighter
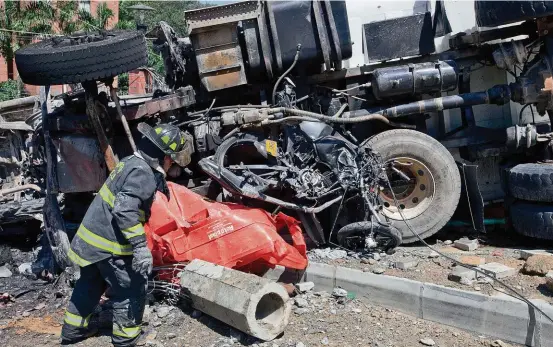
{"points": [[110, 245]]}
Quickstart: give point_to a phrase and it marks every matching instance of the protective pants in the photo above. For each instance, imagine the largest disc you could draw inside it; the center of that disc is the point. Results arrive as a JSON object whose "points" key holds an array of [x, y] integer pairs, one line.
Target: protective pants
{"points": [[127, 292]]}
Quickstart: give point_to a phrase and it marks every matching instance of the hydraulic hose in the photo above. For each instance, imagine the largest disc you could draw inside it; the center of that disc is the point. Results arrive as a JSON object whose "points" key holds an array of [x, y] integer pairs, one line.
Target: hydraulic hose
{"points": [[301, 115], [499, 95], [327, 119], [286, 73]]}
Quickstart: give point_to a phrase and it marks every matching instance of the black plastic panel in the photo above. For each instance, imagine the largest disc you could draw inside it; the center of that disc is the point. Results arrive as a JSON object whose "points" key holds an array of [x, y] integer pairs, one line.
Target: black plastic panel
{"points": [[399, 37]]}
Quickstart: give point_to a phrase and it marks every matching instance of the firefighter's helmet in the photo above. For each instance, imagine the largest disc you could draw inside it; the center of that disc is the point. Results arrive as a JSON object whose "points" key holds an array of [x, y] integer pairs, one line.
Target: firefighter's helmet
{"points": [[170, 140]]}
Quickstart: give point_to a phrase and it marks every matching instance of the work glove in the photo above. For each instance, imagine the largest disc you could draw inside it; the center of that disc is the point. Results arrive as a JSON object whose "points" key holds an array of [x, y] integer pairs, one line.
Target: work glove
{"points": [[142, 260]]}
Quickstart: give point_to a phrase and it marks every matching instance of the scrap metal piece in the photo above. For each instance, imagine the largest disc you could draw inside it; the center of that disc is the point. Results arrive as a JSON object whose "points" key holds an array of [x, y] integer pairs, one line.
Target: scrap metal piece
{"points": [[182, 98], [215, 40], [115, 99], [91, 90], [206, 17], [20, 188], [54, 225]]}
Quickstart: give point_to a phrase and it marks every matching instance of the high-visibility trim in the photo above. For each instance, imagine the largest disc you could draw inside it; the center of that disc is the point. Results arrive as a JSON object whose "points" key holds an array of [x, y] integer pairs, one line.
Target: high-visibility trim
{"points": [[129, 332], [141, 216], [165, 139], [173, 146], [107, 195], [133, 231], [76, 259], [158, 130], [76, 320], [102, 243]]}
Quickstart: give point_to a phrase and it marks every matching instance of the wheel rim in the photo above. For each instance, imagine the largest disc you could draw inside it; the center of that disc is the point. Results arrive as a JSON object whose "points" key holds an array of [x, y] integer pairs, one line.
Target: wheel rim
{"points": [[413, 197]]}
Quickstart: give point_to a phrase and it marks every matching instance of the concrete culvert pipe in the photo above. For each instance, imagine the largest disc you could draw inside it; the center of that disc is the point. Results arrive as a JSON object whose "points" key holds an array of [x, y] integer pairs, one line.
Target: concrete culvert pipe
{"points": [[244, 301]]}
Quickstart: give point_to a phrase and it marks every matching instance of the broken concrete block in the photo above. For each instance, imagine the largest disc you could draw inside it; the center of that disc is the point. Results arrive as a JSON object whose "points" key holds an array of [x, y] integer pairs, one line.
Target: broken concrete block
{"points": [[406, 263], [244, 301], [304, 287], [527, 253], [433, 254], [25, 269], [466, 244], [498, 270], [472, 260], [301, 302], [460, 273], [538, 264], [463, 275], [5, 272]]}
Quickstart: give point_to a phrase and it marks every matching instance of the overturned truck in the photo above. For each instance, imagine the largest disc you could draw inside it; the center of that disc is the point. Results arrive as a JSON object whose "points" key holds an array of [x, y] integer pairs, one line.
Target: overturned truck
{"points": [[370, 123]]}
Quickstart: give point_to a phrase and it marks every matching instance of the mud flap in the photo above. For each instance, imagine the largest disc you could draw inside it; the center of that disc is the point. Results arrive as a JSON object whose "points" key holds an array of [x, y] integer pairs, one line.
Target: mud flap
{"points": [[471, 189]]}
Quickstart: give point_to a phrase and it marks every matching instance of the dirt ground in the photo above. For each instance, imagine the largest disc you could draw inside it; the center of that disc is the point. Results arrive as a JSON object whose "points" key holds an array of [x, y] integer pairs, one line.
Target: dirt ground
{"points": [[325, 321], [498, 246], [34, 316]]}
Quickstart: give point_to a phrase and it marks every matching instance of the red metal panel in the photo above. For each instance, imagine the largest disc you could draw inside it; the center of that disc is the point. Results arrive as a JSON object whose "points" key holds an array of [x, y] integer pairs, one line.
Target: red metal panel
{"points": [[190, 227]]}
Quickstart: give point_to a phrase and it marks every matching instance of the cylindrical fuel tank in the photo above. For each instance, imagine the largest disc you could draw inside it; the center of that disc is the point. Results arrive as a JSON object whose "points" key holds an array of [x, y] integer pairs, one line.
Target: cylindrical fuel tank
{"points": [[414, 79]]}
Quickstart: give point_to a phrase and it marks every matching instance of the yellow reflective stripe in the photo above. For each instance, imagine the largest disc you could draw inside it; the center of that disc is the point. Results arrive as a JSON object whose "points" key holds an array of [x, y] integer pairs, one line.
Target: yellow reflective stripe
{"points": [[126, 332], [173, 146], [75, 320], [141, 216], [76, 259], [133, 231], [107, 195], [158, 130], [102, 243], [165, 139]]}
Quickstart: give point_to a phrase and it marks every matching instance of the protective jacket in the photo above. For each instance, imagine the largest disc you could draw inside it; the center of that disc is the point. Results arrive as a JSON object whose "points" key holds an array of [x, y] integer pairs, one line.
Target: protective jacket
{"points": [[113, 224]]}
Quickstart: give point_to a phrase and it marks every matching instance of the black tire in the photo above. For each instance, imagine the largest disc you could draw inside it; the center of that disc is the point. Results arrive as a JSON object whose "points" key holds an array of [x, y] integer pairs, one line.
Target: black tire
{"points": [[50, 63], [532, 182], [447, 181], [392, 234], [532, 219], [495, 13]]}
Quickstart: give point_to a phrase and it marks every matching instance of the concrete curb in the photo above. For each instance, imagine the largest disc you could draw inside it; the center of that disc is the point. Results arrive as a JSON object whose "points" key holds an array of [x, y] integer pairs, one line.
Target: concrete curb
{"points": [[500, 316]]}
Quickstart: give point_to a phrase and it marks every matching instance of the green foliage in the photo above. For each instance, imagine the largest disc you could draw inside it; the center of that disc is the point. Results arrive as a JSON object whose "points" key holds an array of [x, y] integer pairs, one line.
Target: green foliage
{"points": [[155, 61], [99, 21], [35, 17], [123, 84], [10, 89], [171, 12]]}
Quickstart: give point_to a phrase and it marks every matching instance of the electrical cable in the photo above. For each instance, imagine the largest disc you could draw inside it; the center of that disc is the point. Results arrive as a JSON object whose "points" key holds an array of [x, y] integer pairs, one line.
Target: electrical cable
{"points": [[470, 267], [28, 32]]}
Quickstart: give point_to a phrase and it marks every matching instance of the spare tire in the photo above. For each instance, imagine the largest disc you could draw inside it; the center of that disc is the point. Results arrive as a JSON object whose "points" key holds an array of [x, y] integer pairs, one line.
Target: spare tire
{"points": [[76, 59], [532, 219], [495, 13], [430, 197], [533, 182]]}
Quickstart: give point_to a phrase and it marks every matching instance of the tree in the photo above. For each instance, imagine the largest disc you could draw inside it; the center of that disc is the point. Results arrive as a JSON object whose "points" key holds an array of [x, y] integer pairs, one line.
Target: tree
{"points": [[99, 21], [171, 12], [19, 21]]}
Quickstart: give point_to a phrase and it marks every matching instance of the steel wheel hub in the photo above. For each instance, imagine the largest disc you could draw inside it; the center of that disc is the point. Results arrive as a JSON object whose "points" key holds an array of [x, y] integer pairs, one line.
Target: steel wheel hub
{"points": [[413, 196]]}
